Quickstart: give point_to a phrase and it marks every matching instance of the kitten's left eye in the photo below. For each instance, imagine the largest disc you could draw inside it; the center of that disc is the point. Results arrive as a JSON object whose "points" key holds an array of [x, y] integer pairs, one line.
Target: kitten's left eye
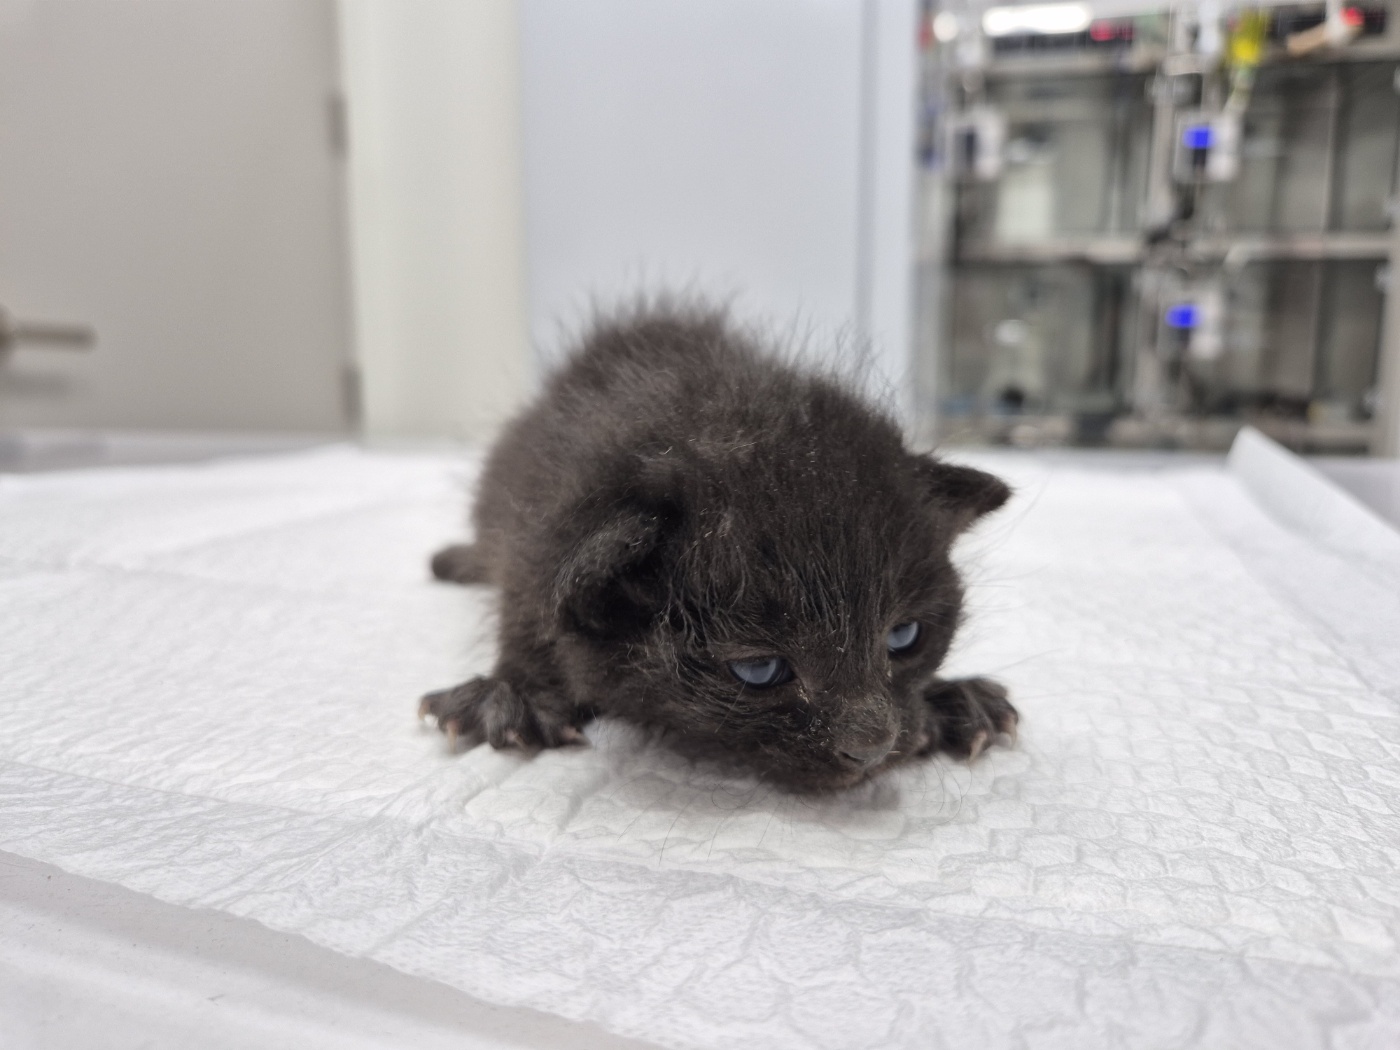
{"points": [[761, 674], [902, 636]]}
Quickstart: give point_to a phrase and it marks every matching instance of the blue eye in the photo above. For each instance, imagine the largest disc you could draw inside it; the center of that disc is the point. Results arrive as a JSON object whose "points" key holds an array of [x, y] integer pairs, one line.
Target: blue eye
{"points": [[761, 674], [902, 636]]}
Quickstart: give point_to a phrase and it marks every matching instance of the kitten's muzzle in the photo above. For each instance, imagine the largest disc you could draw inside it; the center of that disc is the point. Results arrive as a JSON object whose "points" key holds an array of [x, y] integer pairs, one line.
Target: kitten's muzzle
{"points": [[866, 755]]}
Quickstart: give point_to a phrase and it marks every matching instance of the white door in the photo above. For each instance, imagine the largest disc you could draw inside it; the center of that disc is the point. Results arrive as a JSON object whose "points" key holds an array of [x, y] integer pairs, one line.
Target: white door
{"points": [[170, 177]]}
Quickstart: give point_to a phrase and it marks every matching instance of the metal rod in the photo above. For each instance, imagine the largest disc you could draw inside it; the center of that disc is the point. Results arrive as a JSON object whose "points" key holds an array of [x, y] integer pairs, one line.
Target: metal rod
{"points": [[1233, 251], [1385, 437], [57, 336], [43, 334]]}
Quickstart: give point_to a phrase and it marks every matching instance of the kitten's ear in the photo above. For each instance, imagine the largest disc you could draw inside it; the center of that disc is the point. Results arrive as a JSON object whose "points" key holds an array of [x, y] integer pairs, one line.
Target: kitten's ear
{"points": [[964, 494], [610, 584]]}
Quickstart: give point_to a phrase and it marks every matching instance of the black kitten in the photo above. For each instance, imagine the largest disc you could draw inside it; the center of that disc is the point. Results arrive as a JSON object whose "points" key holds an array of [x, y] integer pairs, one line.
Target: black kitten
{"points": [[688, 533]]}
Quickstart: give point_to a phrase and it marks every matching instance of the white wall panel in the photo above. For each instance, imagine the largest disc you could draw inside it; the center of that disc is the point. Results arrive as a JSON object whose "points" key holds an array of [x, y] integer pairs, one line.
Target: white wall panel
{"points": [[435, 188], [701, 143]]}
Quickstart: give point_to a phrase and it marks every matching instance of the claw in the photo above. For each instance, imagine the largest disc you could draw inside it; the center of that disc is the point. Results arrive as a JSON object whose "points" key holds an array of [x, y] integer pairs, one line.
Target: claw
{"points": [[979, 743], [1012, 732], [451, 730], [514, 739], [570, 735], [424, 708]]}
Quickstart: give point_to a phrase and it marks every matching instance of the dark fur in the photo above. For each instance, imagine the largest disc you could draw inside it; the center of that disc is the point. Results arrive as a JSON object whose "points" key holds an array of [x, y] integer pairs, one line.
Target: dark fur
{"points": [[678, 498]]}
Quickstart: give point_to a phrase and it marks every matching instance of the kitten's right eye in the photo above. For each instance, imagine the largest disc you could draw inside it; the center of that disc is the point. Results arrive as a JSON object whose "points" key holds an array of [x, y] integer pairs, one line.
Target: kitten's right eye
{"points": [[902, 636], [761, 674]]}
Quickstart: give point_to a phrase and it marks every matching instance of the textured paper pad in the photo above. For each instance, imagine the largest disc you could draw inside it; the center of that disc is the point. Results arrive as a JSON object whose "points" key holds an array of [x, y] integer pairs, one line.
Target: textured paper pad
{"points": [[208, 681]]}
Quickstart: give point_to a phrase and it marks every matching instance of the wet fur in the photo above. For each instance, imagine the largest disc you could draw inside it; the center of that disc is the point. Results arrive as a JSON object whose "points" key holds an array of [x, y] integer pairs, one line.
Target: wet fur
{"points": [[679, 497]]}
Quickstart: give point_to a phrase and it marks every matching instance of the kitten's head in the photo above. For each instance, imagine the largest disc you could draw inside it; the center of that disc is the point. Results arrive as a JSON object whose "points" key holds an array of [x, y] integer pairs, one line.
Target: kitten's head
{"points": [[785, 598]]}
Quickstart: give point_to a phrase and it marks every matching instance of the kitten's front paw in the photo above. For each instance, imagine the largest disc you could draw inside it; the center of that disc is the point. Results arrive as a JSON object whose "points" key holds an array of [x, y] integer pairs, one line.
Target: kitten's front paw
{"points": [[966, 714], [491, 709]]}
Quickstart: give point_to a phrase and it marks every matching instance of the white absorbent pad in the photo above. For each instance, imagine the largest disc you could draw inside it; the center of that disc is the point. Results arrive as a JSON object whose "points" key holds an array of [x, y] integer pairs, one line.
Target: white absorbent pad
{"points": [[208, 684]]}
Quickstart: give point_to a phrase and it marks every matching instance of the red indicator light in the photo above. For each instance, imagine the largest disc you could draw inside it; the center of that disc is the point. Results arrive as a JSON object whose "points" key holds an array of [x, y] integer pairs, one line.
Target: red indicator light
{"points": [[1353, 16], [1103, 31]]}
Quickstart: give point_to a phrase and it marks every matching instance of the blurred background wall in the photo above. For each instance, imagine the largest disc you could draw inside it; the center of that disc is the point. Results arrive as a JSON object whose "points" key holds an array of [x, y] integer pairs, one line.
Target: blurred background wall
{"points": [[1126, 223], [727, 146], [320, 216]]}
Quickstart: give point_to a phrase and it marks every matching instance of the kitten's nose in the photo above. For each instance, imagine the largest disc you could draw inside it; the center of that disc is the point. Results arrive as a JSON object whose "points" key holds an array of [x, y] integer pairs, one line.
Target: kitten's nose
{"points": [[866, 755]]}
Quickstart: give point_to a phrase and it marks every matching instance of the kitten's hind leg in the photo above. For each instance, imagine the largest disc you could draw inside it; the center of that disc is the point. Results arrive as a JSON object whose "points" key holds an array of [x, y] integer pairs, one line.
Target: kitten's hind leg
{"points": [[966, 714], [461, 563]]}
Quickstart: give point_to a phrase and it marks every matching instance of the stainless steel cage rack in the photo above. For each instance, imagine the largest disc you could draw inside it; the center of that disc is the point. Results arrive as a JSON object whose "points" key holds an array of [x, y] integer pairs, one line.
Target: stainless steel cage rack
{"points": [[1155, 228]]}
